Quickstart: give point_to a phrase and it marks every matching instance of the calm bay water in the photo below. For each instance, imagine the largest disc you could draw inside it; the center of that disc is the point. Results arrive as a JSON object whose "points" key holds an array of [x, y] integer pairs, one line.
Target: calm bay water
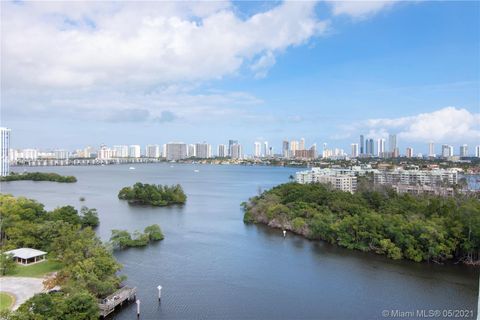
{"points": [[213, 266]]}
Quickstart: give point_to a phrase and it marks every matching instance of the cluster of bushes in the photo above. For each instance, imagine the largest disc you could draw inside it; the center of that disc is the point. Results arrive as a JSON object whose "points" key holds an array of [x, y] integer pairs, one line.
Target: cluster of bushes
{"points": [[151, 194], [418, 228], [38, 176], [89, 269], [123, 239]]}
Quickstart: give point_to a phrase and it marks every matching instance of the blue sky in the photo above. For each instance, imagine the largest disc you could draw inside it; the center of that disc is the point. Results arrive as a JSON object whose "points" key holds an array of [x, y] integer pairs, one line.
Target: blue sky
{"points": [[248, 71]]}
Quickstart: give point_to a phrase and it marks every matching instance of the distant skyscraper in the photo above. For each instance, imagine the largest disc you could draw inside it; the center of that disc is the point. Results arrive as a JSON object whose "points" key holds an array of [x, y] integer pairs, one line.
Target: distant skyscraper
{"points": [[230, 144], [176, 151], [464, 151], [120, 151], [362, 143], [266, 149], [431, 149], [380, 147], [409, 152], [477, 151], [447, 151], [293, 147], [222, 151], [257, 149], [301, 146], [392, 145], [61, 154], [369, 147], [237, 151], [285, 149], [354, 152], [4, 151], [191, 151], [134, 151], [203, 150], [152, 151]]}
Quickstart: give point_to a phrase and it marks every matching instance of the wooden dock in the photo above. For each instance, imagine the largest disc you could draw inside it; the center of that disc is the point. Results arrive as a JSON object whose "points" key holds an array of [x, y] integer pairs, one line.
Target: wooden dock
{"points": [[118, 298]]}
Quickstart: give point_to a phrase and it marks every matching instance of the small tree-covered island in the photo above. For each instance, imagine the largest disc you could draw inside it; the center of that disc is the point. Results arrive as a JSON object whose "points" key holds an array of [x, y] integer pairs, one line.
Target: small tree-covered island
{"points": [[152, 194], [39, 176], [401, 226]]}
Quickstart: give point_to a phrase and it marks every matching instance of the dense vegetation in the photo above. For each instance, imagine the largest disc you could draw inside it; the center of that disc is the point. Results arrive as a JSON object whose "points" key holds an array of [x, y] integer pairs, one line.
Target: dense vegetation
{"points": [[123, 239], [89, 270], [423, 228], [38, 176], [151, 194]]}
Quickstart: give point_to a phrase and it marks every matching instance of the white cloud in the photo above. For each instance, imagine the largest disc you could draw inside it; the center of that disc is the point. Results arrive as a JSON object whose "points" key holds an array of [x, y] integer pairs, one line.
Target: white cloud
{"points": [[446, 125], [359, 9], [53, 44]]}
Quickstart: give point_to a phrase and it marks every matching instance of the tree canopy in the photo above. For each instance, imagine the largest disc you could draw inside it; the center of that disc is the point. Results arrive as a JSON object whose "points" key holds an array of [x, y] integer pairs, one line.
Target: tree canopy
{"points": [[38, 176], [418, 228]]}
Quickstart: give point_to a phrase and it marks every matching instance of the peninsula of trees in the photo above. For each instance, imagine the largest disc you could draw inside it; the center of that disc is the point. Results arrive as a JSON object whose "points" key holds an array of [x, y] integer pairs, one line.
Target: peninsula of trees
{"points": [[401, 226], [89, 270], [38, 176], [154, 195], [121, 239]]}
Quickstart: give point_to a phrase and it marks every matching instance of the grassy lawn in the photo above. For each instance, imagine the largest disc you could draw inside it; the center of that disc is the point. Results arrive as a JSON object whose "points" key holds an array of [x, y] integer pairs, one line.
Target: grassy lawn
{"points": [[6, 301], [36, 270]]}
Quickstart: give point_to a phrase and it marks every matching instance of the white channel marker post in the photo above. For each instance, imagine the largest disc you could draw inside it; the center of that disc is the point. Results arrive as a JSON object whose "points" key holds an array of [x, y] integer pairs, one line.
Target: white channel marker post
{"points": [[159, 292], [138, 307], [284, 233]]}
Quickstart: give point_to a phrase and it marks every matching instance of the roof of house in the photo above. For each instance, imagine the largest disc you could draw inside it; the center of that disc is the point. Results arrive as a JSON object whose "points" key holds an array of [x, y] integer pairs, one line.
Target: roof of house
{"points": [[26, 253]]}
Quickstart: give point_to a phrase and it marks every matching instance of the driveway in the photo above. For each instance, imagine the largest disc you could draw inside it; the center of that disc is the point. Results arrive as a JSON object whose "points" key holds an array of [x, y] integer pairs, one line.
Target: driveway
{"points": [[22, 288]]}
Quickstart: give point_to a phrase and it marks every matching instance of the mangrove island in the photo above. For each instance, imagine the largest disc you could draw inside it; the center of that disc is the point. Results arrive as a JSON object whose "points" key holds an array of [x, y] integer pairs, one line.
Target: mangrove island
{"points": [[38, 176], [154, 195]]}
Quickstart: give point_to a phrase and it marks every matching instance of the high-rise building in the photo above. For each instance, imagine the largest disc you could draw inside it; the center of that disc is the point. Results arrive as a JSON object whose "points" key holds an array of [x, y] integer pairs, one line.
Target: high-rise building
{"points": [[293, 147], [380, 147], [392, 146], [447, 151], [121, 151], [362, 143], [176, 151], [4, 151], [230, 144], [222, 151], [354, 152], [266, 149], [301, 146], [191, 151], [236, 151], [369, 147], [134, 151], [61, 154], [409, 152], [105, 153], [477, 151], [152, 151], [285, 149], [431, 150], [257, 149], [464, 150], [203, 150]]}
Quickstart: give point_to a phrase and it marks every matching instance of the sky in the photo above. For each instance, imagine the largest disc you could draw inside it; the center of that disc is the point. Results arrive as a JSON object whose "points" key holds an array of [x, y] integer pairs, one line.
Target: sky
{"points": [[90, 73]]}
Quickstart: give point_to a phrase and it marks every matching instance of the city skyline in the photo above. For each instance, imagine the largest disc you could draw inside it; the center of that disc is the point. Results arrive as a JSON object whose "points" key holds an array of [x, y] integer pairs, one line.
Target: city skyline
{"points": [[319, 81]]}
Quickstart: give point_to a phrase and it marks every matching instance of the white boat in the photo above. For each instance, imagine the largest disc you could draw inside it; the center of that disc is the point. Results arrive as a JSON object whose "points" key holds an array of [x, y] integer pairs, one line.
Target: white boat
{"points": [[196, 170], [131, 168]]}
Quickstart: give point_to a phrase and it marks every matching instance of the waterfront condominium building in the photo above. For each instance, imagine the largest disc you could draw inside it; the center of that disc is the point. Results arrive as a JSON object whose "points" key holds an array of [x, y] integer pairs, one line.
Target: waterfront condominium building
{"points": [[230, 144], [380, 147], [409, 152], [416, 177], [121, 151], [464, 150], [222, 151], [266, 149], [285, 149], [354, 152], [61, 154], [203, 150], [293, 147], [191, 152], [152, 151], [339, 179], [301, 145], [176, 151], [4, 151], [236, 151], [134, 151], [257, 151], [447, 151]]}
